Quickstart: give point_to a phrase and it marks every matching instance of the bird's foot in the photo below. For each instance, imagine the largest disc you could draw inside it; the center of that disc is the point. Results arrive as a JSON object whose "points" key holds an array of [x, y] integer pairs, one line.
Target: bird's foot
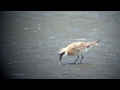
{"points": [[81, 63], [68, 63]]}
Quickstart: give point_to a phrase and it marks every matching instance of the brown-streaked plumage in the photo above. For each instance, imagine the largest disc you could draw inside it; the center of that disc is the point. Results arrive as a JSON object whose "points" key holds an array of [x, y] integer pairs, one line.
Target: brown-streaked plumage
{"points": [[76, 48]]}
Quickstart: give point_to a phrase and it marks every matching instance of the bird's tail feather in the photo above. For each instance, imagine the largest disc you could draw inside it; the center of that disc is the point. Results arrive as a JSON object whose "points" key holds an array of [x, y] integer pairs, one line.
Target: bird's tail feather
{"points": [[97, 42]]}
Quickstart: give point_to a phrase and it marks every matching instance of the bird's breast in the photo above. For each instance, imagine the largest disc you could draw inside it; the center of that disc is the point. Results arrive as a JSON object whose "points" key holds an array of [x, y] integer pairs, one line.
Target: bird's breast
{"points": [[72, 52]]}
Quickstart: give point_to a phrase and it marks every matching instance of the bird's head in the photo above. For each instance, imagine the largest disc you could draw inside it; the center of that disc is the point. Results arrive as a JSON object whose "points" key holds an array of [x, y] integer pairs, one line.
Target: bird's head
{"points": [[62, 52]]}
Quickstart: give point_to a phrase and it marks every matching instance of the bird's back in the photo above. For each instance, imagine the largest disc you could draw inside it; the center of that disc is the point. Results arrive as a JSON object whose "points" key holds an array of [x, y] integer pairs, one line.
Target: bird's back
{"points": [[77, 47]]}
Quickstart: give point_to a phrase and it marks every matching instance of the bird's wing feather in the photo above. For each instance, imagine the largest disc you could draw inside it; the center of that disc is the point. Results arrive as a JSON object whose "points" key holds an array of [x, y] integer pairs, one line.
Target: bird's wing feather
{"points": [[81, 45]]}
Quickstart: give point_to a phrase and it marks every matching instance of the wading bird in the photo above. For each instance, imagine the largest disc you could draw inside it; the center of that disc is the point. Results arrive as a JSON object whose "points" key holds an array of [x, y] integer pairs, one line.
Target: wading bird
{"points": [[76, 49]]}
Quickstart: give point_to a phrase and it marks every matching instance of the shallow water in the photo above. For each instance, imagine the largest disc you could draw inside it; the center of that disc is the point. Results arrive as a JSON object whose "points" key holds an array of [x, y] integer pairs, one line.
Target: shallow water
{"points": [[30, 41]]}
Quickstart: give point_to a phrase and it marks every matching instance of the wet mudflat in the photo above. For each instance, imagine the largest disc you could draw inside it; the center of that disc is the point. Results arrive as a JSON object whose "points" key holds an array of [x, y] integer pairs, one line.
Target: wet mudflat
{"points": [[30, 41]]}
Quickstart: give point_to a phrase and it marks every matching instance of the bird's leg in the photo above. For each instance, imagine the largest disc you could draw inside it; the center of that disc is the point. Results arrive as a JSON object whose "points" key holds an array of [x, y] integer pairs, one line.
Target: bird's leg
{"points": [[81, 58], [76, 59]]}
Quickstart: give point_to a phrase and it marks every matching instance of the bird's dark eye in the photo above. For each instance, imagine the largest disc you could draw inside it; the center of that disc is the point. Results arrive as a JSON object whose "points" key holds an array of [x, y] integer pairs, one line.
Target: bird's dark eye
{"points": [[63, 53]]}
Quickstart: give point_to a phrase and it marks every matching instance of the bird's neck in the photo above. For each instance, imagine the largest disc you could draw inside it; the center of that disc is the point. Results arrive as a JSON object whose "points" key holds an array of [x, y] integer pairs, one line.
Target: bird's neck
{"points": [[70, 51], [66, 52]]}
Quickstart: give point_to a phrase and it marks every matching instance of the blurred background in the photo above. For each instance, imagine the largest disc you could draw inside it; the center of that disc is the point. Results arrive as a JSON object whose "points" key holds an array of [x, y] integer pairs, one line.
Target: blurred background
{"points": [[30, 41]]}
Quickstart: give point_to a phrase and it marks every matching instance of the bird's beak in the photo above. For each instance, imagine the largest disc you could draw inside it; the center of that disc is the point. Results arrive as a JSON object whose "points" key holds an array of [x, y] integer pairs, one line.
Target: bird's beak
{"points": [[60, 57]]}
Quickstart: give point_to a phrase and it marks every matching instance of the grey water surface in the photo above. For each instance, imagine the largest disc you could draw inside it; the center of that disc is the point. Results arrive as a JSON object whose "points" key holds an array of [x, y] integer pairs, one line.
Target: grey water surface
{"points": [[30, 41]]}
